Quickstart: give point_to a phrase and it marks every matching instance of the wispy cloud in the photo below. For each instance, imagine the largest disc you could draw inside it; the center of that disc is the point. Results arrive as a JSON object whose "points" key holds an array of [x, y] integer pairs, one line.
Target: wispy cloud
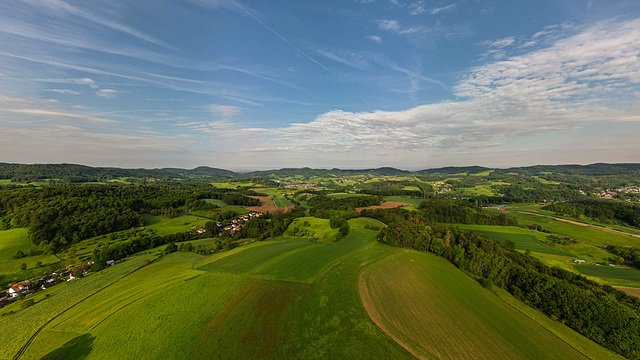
{"points": [[107, 93], [48, 115], [439, 10], [226, 112], [278, 34], [64, 91], [417, 8], [374, 38]]}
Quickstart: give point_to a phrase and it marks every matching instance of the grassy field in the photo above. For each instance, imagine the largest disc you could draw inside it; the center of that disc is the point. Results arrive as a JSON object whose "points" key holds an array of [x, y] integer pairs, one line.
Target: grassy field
{"points": [[164, 226], [609, 272], [281, 201], [294, 259], [524, 239], [216, 202], [437, 311], [587, 234], [12, 241], [345, 195], [312, 226], [404, 199], [229, 316]]}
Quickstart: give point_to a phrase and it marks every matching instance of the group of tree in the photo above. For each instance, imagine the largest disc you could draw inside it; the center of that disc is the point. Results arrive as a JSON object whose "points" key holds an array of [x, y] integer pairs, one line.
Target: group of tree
{"points": [[629, 255], [600, 210], [268, 226]]}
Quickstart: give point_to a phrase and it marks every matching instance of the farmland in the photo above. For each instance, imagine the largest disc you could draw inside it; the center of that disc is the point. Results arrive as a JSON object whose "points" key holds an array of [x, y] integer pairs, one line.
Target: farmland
{"points": [[92, 324], [436, 311]]}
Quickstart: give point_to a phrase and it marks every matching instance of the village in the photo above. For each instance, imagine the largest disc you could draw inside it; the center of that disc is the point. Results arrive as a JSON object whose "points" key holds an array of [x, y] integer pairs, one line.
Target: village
{"points": [[20, 290]]}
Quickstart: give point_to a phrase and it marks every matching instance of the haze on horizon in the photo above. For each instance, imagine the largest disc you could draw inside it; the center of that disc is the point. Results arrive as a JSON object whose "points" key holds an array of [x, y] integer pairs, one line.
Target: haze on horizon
{"points": [[244, 85]]}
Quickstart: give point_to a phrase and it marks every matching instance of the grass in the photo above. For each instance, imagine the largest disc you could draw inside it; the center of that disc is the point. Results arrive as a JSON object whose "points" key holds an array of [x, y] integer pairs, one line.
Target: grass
{"points": [[585, 234], [18, 326], [318, 228], [524, 239], [164, 226], [345, 195], [610, 272], [281, 201], [229, 316], [294, 259], [216, 202], [12, 241], [404, 199], [437, 311]]}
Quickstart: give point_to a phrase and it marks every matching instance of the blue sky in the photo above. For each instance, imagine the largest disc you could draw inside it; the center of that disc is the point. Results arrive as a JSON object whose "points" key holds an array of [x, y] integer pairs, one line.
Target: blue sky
{"points": [[246, 85]]}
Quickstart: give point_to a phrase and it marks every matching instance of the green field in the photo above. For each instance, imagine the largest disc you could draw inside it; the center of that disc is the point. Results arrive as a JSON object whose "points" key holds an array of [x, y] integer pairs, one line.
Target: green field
{"points": [[404, 199], [609, 272], [281, 201], [216, 202], [436, 311], [164, 226], [524, 239], [588, 235], [12, 241], [286, 298], [344, 195], [294, 259], [230, 316], [312, 226]]}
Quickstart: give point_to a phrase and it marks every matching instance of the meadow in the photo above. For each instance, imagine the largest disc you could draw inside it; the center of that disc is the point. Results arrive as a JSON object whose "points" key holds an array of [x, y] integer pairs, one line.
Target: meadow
{"points": [[294, 259], [225, 312], [436, 311]]}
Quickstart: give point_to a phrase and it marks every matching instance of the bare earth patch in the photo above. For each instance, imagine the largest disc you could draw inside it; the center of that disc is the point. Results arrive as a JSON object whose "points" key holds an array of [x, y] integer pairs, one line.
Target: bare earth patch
{"points": [[632, 292], [384, 205], [266, 206]]}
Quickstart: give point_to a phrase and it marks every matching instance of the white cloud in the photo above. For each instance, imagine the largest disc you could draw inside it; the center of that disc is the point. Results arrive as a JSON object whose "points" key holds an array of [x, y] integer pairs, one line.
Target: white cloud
{"points": [[107, 93], [566, 86], [374, 38], [438, 10], [63, 91], [226, 112], [389, 25], [417, 8]]}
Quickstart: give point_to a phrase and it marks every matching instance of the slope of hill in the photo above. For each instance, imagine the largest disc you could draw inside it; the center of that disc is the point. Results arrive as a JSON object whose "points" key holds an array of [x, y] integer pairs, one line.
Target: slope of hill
{"points": [[436, 311]]}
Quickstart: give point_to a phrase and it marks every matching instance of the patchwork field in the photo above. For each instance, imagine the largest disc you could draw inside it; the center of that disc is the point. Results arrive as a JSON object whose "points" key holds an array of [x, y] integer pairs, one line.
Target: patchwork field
{"points": [[436, 311]]}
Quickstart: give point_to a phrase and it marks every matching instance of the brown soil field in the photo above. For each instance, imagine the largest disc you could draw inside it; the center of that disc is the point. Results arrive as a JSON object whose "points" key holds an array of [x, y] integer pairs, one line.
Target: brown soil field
{"points": [[259, 189], [384, 205], [266, 206], [632, 292]]}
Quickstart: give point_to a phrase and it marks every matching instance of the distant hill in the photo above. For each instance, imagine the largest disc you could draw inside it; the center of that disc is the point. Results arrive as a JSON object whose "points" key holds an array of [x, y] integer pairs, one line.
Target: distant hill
{"points": [[24, 173], [309, 172], [598, 169], [454, 170]]}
